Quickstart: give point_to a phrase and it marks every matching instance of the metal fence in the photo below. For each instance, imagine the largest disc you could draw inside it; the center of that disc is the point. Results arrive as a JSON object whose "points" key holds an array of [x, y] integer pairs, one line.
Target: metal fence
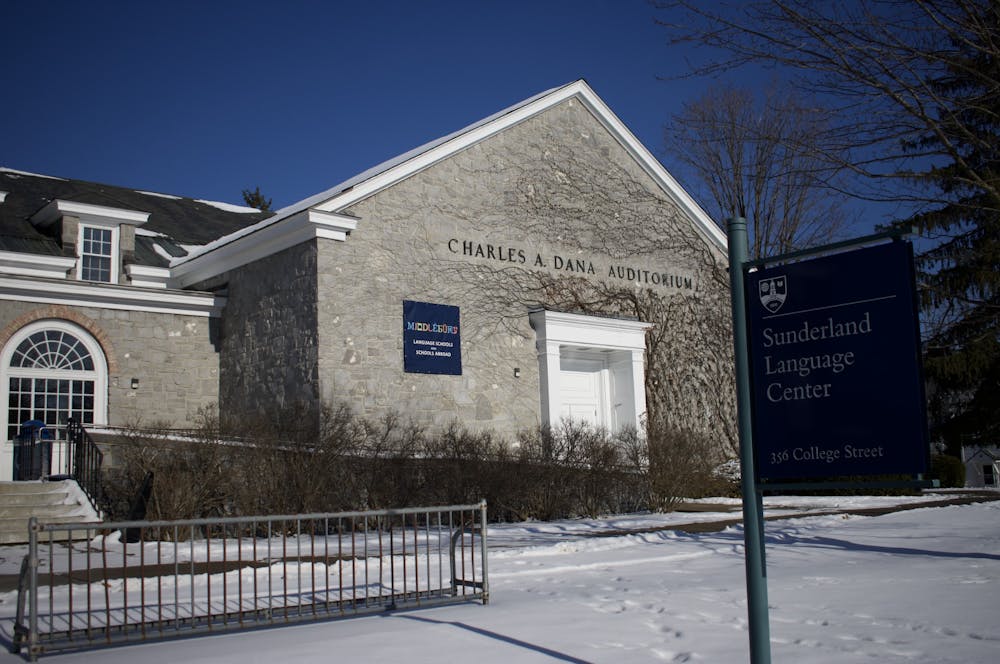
{"points": [[89, 585]]}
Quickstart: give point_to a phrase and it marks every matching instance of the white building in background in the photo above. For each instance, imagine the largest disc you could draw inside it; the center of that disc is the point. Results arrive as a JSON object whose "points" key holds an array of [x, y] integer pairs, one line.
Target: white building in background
{"points": [[982, 466]]}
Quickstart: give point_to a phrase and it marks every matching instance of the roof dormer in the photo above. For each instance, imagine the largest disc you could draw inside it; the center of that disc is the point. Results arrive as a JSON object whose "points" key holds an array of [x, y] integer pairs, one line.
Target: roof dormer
{"points": [[101, 238]]}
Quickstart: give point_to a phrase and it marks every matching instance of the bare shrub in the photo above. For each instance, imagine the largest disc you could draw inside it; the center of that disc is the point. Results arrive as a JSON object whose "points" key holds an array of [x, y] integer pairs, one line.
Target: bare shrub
{"points": [[572, 470], [681, 465], [461, 466], [278, 465], [290, 467], [382, 462], [189, 475]]}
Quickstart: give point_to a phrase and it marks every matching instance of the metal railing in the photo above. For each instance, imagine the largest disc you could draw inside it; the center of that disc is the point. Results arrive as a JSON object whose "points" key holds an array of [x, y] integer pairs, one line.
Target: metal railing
{"points": [[87, 461], [85, 586]]}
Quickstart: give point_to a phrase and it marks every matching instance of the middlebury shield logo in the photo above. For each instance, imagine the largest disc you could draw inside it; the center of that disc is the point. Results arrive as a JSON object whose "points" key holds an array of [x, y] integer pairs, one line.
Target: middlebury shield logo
{"points": [[772, 292]]}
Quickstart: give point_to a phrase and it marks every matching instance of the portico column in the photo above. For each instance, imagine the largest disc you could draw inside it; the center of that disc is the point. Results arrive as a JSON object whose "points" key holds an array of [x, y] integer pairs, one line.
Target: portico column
{"points": [[550, 383], [639, 387]]}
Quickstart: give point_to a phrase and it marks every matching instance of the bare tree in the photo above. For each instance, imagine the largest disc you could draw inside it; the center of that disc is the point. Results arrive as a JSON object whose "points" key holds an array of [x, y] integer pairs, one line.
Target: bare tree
{"points": [[914, 90], [874, 64], [763, 160]]}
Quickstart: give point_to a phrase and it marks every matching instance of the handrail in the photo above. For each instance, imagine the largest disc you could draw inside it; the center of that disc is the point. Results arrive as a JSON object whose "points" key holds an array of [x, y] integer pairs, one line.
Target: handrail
{"points": [[21, 631], [87, 462]]}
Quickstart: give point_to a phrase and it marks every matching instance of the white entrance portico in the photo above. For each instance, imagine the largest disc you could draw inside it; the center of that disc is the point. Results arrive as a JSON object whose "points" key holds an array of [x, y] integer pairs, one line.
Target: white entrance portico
{"points": [[591, 369]]}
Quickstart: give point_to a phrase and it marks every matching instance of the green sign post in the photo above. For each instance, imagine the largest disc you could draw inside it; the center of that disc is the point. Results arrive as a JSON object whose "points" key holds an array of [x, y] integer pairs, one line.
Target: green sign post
{"points": [[753, 511]]}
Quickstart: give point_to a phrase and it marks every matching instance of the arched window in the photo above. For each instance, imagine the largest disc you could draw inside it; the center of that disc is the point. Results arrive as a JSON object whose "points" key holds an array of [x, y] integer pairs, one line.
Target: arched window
{"points": [[52, 349], [53, 370]]}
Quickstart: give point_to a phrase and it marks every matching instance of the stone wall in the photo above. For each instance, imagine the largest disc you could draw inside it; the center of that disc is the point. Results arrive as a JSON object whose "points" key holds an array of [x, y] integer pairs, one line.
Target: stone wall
{"points": [[552, 212], [173, 357], [268, 340]]}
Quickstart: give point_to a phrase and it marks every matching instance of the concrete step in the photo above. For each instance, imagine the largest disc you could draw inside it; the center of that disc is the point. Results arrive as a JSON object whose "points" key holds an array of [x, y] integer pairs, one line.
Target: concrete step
{"points": [[51, 502], [15, 531], [37, 500], [31, 488], [46, 513]]}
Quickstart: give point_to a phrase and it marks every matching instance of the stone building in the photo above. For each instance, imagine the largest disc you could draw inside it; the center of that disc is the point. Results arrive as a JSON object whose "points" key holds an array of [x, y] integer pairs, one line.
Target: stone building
{"points": [[538, 265]]}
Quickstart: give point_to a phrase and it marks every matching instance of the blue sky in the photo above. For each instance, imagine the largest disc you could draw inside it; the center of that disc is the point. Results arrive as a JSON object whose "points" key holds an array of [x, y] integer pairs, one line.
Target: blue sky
{"points": [[205, 99]]}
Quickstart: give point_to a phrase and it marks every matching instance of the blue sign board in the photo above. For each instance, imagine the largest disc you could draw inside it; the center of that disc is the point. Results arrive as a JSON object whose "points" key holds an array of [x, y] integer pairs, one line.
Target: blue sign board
{"points": [[835, 364], [432, 342]]}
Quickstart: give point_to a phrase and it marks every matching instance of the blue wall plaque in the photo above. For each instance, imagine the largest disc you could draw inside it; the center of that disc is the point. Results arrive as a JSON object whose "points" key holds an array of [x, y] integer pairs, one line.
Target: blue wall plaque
{"points": [[835, 363], [432, 342]]}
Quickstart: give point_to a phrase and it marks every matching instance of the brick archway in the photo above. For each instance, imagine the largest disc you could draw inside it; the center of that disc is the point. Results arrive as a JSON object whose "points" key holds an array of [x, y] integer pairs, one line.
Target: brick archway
{"points": [[62, 312]]}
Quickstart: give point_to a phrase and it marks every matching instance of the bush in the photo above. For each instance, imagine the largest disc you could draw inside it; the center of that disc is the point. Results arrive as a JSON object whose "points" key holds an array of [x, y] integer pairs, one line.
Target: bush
{"points": [[189, 478], [682, 464], [277, 466], [949, 470]]}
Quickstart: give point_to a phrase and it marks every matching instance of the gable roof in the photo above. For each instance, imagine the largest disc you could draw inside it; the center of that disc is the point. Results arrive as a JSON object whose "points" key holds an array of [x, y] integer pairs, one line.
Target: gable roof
{"points": [[988, 453], [219, 256], [402, 159], [200, 239], [392, 171]]}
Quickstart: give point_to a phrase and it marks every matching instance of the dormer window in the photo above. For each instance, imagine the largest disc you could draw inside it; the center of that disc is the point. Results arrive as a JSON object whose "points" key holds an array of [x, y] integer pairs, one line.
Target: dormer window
{"points": [[98, 254], [100, 238]]}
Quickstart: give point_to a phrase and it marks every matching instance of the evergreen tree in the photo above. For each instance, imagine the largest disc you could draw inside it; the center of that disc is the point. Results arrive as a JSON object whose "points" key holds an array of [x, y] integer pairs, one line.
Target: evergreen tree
{"points": [[961, 273], [255, 199]]}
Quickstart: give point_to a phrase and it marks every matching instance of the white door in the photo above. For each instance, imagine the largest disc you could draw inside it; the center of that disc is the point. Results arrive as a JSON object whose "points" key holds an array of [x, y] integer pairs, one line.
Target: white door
{"points": [[584, 391]]}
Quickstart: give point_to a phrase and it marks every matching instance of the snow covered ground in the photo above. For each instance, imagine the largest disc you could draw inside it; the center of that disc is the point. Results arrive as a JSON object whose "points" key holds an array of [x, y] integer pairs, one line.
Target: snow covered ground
{"points": [[914, 586]]}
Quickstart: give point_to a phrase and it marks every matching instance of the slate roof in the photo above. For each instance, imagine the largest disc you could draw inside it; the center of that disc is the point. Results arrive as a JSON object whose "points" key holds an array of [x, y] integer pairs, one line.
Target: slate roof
{"points": [[181, 221]]}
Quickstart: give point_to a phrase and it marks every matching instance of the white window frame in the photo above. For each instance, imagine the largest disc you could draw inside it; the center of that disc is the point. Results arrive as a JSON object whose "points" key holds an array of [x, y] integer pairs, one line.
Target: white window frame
{"points": [[621, 342], [99, 375], [115, 252]]}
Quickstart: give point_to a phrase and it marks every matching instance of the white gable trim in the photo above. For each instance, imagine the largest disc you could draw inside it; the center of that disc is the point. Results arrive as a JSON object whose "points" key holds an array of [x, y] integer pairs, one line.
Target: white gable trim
{"points": [[440, 150], [981, 455], [288, 226], [702, 221], [95, 215], [477, 133], [110, 296], [259, 241]]}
